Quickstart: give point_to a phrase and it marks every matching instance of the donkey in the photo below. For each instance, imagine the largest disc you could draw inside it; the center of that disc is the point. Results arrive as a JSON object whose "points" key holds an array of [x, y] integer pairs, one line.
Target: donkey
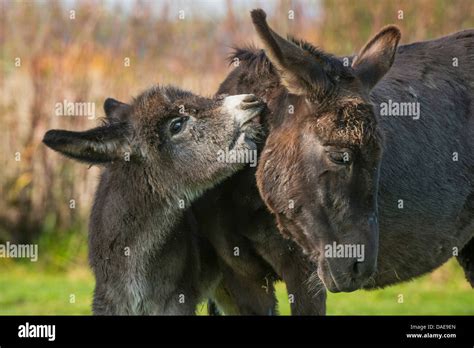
{"points": [[158, 152], [224, 217], [251, 254], [401, 187]]}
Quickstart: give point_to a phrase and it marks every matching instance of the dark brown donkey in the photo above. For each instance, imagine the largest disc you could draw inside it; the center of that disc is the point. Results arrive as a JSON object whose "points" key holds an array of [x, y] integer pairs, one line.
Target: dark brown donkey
{"points": [[369, 163], [159, 154]]}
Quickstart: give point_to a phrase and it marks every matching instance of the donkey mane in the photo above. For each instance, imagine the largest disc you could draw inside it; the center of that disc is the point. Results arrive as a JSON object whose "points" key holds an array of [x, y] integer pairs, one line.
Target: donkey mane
{"points": [[254, 59]]}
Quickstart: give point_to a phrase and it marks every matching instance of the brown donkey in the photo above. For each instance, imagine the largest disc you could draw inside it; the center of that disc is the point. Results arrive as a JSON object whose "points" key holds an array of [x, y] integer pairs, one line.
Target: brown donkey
{"points": [[159, 154], [369, 162]]}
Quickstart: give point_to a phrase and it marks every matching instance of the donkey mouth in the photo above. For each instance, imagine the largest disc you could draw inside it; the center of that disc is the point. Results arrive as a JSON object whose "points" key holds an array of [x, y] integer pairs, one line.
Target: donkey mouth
{"points": [[249, 127], [327, 278], [335, 284], [253, 115]]}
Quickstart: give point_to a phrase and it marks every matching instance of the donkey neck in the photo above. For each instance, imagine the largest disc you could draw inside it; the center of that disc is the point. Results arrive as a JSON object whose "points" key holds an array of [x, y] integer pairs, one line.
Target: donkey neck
{"points": [[155, 209], [129, 214]]}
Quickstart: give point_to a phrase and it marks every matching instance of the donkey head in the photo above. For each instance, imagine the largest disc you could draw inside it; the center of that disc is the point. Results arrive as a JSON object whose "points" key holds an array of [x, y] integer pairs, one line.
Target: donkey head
{"points": [[319, 170], [168, 137]]}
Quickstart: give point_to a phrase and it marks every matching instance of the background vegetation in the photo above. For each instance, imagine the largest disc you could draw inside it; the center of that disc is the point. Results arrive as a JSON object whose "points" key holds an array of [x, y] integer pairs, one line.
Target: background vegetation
{"points": [[80, 56]]}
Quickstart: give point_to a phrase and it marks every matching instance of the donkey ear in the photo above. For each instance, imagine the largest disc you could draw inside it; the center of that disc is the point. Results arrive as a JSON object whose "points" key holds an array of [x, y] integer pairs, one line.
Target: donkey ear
{"points": [[297, 70], [377, 56], [116, 111], [96, 146]]}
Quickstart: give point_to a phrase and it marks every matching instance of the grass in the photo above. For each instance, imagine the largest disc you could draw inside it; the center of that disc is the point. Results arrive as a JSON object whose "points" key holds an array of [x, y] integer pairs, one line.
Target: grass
{"points": [[443, 292], [30, 289]]}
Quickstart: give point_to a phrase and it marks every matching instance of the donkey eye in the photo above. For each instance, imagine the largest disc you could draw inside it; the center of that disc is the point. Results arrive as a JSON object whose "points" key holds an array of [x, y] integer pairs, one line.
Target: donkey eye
{"points": [[340, 157], [177, 125]]}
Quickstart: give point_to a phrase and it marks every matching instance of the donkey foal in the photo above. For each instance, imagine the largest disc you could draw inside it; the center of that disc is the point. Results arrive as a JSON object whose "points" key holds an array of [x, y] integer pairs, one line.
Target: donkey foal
{"points": [[159, 154]]}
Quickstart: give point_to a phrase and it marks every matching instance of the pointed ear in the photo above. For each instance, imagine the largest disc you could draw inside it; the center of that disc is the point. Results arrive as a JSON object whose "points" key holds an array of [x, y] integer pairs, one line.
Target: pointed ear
{"points": [[116, 111], [96, 146], [298, 70], [377, 56]]}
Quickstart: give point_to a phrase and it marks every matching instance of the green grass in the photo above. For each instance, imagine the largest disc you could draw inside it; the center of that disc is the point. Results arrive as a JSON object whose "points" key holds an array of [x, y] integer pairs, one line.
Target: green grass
{"points": [[30, 288], [444, 292]]}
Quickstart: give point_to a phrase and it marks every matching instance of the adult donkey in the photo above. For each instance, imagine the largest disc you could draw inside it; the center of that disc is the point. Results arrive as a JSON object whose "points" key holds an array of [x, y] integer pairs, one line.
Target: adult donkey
{"points": [[337, 171]]}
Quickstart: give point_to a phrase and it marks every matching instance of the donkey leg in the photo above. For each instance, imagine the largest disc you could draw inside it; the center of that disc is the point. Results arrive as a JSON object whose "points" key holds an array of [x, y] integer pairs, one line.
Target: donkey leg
{"points": [[242, 295], [306, 292], [466, 225], [253, 296], [466, 260], [212, 308], [224, 301], [103, 304]]}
